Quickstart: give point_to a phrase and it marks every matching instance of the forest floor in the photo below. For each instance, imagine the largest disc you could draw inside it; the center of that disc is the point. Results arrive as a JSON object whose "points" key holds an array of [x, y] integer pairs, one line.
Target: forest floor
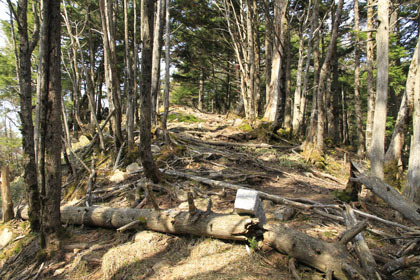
{"points": [[221, 148]]}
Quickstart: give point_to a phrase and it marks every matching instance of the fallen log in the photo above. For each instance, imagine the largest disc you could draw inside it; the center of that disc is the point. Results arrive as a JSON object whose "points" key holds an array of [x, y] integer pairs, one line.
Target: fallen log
{"points": [[223, 226], [408, 209], [316, 253]]}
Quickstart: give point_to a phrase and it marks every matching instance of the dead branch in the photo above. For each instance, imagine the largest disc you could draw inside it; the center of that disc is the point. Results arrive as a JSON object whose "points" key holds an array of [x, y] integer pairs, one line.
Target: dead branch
{"points": [[408, 209]]}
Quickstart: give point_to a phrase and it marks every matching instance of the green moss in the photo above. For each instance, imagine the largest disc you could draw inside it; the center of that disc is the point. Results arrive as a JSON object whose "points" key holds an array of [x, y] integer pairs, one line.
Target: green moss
{"points": [[245, 127], [329, 234], [179, 117]]}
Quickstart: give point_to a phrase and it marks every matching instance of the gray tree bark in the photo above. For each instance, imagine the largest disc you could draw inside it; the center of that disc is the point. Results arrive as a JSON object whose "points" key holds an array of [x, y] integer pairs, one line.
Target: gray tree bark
{"points": [[359, 125], [377, 149], [51, 132], [412, 187], [370, 53], [149, 165], [157, 50], [6, 197]]}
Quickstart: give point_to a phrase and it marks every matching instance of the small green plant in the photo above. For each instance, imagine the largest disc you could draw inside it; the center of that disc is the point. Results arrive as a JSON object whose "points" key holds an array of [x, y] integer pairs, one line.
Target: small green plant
{"points": [[253, 243]]}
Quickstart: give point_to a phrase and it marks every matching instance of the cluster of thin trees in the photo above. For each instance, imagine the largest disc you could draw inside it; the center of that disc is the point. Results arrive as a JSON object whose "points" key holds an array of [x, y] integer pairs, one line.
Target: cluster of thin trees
{"points": [[43, 142], [279, 60]]}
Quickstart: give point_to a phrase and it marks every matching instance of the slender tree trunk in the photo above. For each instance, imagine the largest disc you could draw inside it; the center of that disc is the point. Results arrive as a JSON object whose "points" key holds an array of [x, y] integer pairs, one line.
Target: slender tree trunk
{"points": [[26, 48], [6, 197], [322, 79], [51, 125], [110, 64], [201, 90], [370, 53], [129, 81], [157, 49], [151, 170], [359, 125], [412, 187], [311, 131], [287, 96], [268, 41], [378, 136], [167, 67], [297, 115], [315, 45]]}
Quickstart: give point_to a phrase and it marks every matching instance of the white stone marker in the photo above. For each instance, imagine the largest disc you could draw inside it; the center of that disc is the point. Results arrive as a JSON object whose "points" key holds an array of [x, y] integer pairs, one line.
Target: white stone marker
{"points": [[248, 202]]}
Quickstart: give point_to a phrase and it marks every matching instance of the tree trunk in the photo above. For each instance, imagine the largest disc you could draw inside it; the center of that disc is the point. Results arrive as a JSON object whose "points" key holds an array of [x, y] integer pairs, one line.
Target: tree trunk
{"points": [[297, 110], [51, 125], [370, 53], [129, 80], [110, 66], [287, 94], [167, 74], [378, 136], [393, 156], [357, 104], [201, 90], [6, 197], [412, 187], [315, 45], [272, 112], [25, 89], [157, 49], [151, 171], [322, 79]]}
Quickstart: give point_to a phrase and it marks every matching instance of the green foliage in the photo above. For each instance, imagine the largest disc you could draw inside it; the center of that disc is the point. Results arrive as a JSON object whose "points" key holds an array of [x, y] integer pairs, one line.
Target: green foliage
{"points": [[253, 243]]}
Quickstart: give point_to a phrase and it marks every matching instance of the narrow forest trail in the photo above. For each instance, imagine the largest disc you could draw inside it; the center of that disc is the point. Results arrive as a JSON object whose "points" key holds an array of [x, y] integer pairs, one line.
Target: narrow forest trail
{"points": [[211, 146]]}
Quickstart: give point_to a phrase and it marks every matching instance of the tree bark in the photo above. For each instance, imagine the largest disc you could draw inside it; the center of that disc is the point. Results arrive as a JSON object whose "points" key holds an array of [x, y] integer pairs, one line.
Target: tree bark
{"points": [[370, 53], [357, 104], [26, 48], [156, 54], [167, 74], [313, 252], [297, 110], [149, 165], [377, 149], [272, 112], [412, 187], [223, 226], [51, 125], [110, 64], [129, 81], [6, 197]]}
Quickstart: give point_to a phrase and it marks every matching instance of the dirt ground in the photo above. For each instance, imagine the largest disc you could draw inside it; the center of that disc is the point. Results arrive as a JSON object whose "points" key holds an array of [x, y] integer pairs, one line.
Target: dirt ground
{"points": [[278, 168]]}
